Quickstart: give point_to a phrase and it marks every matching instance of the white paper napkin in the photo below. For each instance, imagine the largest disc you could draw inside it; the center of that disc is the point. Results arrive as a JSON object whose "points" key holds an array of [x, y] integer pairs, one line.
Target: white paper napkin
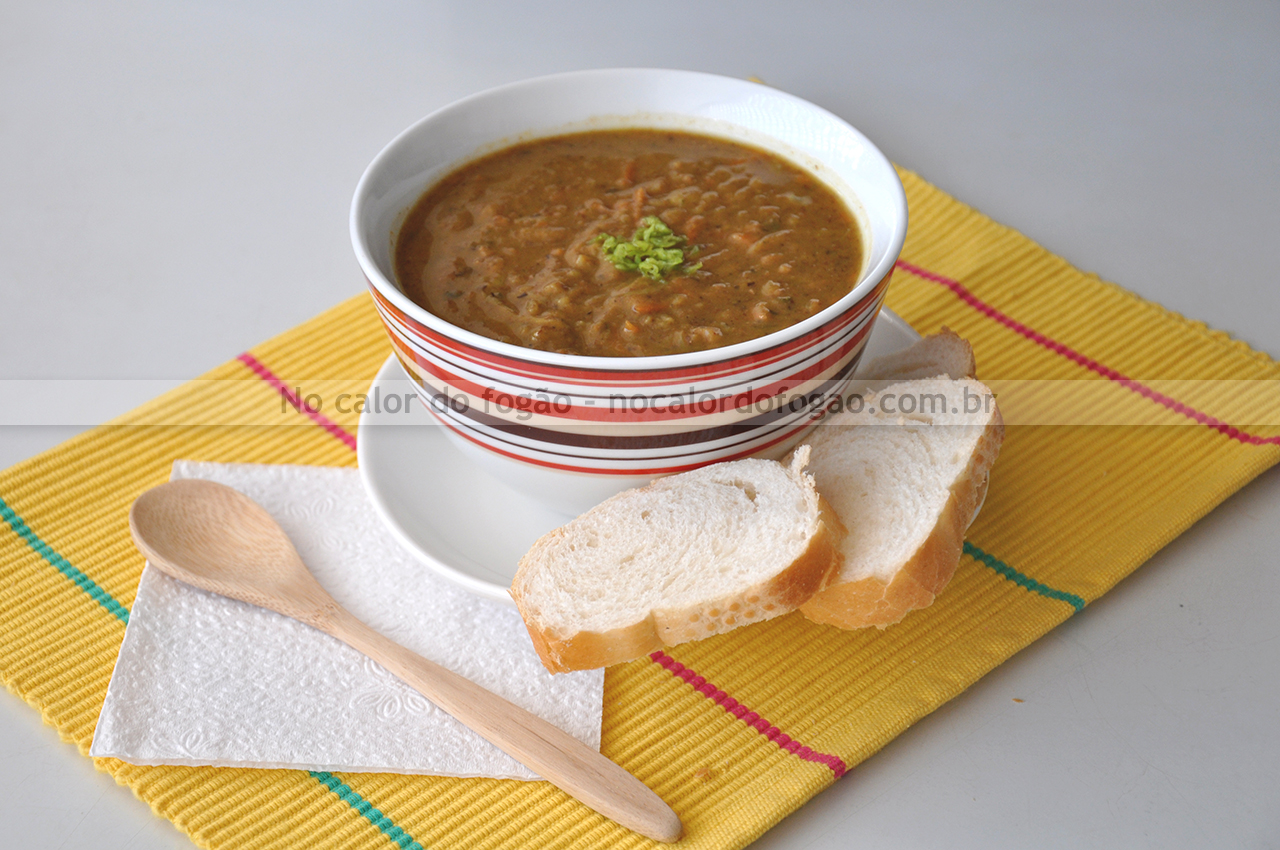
{"points": [[205, 680]]}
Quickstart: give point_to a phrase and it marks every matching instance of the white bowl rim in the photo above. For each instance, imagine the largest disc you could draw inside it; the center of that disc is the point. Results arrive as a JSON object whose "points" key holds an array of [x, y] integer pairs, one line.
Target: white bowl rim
{"points": [[594, 363]]}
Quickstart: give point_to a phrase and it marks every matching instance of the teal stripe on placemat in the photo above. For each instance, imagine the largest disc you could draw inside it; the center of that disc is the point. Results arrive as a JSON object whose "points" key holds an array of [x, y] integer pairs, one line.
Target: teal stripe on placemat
{"points": [[370, 812], [1022, 580], [44, 550], [109, 602]]}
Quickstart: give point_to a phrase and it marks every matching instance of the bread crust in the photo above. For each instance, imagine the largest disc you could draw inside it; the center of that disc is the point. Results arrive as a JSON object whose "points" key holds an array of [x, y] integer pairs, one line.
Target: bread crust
{"points": [[874, 602], [782, 593]]}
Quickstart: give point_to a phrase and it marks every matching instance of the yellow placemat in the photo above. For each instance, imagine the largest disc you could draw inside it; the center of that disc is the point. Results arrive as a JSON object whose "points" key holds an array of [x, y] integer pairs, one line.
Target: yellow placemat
{"points": [[736, 731]]}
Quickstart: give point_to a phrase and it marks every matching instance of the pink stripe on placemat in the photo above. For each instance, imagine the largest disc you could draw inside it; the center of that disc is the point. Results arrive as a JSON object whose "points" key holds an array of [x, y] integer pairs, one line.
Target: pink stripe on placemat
{"points": [[316, 416], [751, 718], [1088, 362]]}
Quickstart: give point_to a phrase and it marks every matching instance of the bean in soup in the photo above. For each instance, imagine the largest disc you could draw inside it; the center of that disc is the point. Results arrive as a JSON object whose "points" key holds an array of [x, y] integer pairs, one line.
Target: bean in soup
{"points": [[628, 243]]}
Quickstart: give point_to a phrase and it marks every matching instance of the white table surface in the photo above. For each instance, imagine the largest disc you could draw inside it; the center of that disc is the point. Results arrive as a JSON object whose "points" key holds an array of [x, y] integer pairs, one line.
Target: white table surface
{"points": [[174, 186]]}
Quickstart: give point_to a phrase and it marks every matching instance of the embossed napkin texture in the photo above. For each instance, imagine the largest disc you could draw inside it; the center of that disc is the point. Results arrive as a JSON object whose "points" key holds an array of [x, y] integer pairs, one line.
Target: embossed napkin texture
{"points": [[206, 680]]}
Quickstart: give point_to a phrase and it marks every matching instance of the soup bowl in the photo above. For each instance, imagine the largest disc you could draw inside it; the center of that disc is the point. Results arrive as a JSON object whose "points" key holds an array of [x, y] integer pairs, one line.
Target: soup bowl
{"points": [[570, 429]]}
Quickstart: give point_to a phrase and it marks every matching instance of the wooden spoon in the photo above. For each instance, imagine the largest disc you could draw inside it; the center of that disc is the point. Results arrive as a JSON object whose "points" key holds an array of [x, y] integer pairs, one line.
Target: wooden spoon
{"points": [[217, 539]]}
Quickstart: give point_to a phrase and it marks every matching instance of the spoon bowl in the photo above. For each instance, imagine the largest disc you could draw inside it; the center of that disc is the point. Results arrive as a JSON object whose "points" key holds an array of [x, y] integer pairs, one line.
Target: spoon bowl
{"points": [[217, 539]]}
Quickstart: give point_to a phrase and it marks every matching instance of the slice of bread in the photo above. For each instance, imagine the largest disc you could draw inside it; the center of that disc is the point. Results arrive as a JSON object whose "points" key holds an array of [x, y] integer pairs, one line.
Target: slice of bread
{"points": [[907, 473], [942, 353], [686, 557]]}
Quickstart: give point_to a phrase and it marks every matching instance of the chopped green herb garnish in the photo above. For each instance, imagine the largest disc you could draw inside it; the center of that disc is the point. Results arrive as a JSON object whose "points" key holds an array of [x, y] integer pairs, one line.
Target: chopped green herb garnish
{"points": [[652, 250]]}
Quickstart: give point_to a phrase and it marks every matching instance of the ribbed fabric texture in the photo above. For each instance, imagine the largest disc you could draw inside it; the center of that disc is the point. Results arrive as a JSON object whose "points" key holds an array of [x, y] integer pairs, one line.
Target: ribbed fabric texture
{"points": [[734, 732]]}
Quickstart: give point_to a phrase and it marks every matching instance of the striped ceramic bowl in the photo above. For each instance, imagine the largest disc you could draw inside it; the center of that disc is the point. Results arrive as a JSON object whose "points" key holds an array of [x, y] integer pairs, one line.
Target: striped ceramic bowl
{"points": [[572, 430]]}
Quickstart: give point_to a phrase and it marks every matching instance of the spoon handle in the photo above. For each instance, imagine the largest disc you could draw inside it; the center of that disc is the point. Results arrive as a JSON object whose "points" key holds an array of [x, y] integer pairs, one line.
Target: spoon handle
{"points": [[552, 753]]}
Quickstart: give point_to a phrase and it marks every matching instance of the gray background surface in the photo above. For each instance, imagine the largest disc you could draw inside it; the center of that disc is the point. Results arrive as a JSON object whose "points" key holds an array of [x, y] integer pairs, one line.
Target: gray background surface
{"points": [[175, 179]]}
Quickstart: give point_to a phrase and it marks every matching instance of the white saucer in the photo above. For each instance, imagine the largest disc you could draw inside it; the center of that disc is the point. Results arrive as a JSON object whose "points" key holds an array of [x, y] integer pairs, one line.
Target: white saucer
{"points": [[456, 518]]}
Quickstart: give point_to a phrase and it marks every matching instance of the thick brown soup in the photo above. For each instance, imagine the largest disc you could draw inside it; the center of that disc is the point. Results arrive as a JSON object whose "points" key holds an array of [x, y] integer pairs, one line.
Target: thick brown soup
{"points": [[712, 243]]}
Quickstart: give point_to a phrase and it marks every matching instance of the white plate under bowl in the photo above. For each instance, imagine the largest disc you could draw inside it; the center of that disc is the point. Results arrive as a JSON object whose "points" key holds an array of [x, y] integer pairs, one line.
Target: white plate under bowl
{"points": [[456, 518]]}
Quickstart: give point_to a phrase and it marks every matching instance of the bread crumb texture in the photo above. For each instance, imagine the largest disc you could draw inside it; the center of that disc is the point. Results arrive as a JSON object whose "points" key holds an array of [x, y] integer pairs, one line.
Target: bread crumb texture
{"points": [[696, 537]]}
